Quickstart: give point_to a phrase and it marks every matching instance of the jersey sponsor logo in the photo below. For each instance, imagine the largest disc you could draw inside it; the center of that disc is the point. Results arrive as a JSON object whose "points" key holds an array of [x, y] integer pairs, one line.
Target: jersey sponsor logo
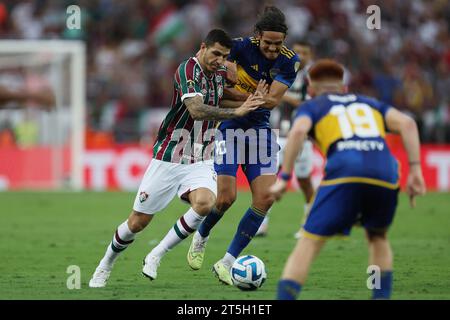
{"points": [[360, 145], [245, 82], [255, 67], [143, 196], [245, 87]]}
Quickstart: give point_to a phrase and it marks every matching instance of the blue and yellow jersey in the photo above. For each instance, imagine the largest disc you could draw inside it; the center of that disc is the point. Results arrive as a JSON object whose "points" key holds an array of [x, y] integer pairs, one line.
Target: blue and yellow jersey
{"points": [[252, 66], [350, 131]]}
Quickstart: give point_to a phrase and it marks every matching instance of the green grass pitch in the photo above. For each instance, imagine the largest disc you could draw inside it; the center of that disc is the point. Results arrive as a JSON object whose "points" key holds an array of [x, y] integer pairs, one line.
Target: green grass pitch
{"points": [[44, 232]]}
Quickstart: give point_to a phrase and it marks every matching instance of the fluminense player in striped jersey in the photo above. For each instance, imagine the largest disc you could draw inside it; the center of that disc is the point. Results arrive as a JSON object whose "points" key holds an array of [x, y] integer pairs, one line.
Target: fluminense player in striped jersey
{"points": [[182, 161]]}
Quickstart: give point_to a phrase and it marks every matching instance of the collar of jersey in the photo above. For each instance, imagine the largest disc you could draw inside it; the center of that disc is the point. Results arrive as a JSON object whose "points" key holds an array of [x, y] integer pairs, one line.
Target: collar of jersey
{"points": [[212, 75]]}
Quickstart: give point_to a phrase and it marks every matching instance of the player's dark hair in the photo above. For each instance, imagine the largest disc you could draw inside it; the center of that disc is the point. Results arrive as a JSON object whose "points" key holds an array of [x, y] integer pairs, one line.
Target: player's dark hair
{"points": [[272, 19], [220, 36], [326, 69]]}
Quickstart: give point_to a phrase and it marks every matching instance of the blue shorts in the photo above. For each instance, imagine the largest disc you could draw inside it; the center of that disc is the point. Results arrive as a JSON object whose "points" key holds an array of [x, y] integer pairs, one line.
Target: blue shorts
{"points": [[254, 149], [336, 208]]}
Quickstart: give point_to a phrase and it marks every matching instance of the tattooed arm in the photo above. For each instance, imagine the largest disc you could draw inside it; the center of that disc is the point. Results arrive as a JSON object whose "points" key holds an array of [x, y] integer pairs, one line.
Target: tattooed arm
{"points": [[201, 111]]}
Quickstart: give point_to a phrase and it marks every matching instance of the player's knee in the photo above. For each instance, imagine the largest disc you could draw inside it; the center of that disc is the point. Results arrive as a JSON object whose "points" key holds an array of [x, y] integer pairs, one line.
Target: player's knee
{"points": [[203, 204], [224, 202]]}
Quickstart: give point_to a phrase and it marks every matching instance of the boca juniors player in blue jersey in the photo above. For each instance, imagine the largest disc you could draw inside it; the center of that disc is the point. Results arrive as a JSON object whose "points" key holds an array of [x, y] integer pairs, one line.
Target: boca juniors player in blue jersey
{"points": [[361, 180], [248, 141]]}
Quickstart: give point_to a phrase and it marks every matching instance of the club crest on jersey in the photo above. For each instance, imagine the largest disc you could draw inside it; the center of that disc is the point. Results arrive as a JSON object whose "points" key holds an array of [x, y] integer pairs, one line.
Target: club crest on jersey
{"points": [[218, 78], [143, 196], [190, 84], [273, 72]]}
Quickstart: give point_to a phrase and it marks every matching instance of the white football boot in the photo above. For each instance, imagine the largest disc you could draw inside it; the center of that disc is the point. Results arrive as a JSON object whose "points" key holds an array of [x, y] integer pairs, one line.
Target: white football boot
{"points": [[151, 264], [99, 278]]}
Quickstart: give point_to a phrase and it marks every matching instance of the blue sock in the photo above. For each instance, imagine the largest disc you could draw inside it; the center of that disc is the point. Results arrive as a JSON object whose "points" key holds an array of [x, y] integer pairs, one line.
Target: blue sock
{"points": [[385, 286], [288, 290], [210, 221], [246, 230]]}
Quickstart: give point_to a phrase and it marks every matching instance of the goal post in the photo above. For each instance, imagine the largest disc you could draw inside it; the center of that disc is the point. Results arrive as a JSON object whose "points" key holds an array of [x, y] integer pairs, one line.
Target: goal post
{"points": [[63, 64]]}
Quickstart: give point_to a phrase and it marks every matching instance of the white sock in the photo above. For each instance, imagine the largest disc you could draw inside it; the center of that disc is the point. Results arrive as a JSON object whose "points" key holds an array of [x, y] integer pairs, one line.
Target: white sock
{"points": [[228, 260], [197, 236], [122, 238], [184, 226], [266, 219]]}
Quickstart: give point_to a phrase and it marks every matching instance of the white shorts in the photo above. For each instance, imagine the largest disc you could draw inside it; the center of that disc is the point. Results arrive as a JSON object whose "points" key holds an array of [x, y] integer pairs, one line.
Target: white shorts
{"points": [[163, 180], [303, 163]]}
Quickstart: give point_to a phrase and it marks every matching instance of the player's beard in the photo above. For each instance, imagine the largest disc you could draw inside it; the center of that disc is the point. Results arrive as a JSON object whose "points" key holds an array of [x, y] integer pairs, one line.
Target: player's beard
{"points": [[206, 65], [212, 67]]}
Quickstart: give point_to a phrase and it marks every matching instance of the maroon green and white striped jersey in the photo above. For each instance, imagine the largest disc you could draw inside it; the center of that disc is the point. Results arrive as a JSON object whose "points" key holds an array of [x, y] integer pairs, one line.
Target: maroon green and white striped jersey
{"points": [[182, 139]]}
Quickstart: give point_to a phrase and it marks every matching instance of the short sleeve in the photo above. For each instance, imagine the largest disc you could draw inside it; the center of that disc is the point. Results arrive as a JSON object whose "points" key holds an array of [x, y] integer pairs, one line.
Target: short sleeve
{"points": [[187, 80], [306, 109], [288, 71], [381, 106]]}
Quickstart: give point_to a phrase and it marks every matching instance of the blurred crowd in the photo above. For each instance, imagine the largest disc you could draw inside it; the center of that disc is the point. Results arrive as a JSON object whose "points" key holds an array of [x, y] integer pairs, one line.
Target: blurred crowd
{"points": [[134, 46]]}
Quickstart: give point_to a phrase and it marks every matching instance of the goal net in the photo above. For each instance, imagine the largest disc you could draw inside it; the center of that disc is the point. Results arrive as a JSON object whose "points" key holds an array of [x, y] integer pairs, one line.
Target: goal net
{"points": [[39, 148]]}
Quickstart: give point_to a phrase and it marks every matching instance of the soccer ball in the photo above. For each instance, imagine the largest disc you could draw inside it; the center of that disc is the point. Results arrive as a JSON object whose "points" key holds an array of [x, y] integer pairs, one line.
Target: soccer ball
{"points": [[248, 273]]}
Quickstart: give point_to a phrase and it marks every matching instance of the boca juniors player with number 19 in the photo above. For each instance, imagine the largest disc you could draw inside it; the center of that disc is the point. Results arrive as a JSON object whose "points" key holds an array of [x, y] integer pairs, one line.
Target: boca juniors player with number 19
{"points": [[361, 180]]}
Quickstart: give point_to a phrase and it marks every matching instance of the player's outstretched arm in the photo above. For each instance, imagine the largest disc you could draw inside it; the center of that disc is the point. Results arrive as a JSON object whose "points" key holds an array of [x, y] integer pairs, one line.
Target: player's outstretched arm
{"points": [[201, 111], [275, 95], [404, 125], [234, 94], [292, 99], [234, 102], [294, 145]]}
